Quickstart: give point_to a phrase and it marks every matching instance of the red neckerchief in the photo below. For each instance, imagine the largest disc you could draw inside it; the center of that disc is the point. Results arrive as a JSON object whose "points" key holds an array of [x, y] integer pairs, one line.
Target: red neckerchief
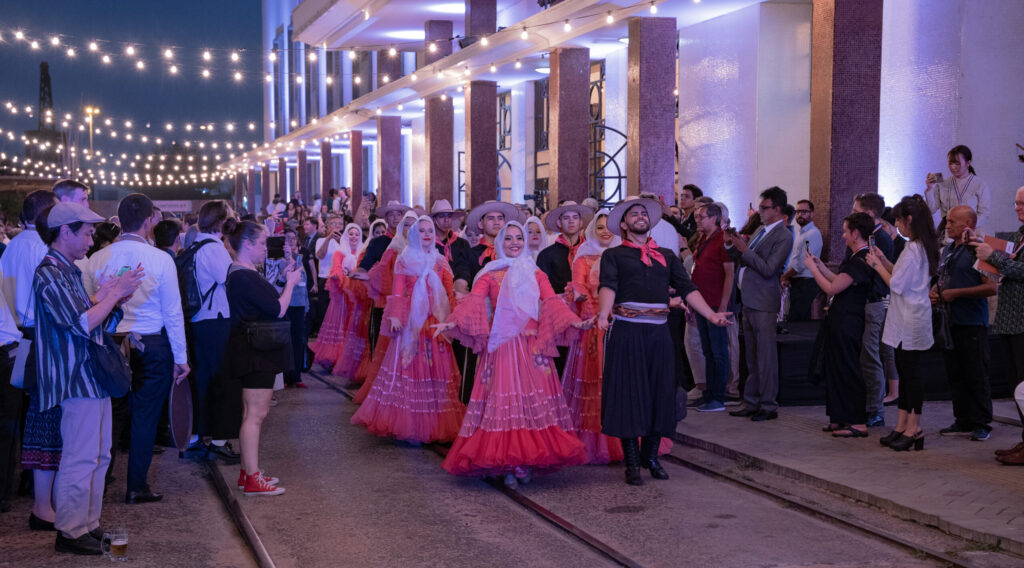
{"points": [[489, 252], [389, 234], [572, 249], [648, 251], [447, 244]]}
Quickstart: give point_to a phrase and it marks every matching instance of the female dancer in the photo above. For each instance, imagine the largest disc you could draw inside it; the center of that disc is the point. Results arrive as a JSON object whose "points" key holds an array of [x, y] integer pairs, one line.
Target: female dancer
{"points": [[908, 323], [357, 320], [846, 394], [378, 285], [328, 345], [581, 379], [415, 395], [536, 236], [517, 419]]}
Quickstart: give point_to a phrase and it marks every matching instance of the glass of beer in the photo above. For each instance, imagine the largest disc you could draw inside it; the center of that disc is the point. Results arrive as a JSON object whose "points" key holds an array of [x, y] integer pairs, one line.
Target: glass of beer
{"points": [[115, 544]]}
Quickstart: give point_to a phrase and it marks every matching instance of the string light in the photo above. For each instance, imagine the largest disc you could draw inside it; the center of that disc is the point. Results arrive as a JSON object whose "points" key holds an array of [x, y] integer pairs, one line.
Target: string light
{"points": [[392, 51], [413, 77], [235, 56], [140, 65], [54, 41], [130, 50], [238, 76], [610, 19], [352, 55], [269, 78], [312, 56], [174, 69], [206, 73], [519, 64], [567, 26], [432, 47], [71, 52], [357, 79], [524, 35], [298, 79], [654, 8], [329, 80], [494, 68], [106, 59], [93, 46], [168, 54], [207, 56], [272, 56], [484, 41], [386, 78], [34, 45], [19, 35]]}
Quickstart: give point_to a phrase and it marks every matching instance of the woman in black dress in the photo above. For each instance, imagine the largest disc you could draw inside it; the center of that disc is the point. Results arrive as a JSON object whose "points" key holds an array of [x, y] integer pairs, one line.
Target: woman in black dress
{"points": [[845, 392], [253, 299]]}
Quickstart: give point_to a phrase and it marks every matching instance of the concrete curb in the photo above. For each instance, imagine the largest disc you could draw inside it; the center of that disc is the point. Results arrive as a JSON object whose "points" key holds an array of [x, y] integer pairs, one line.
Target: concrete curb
{"points": [[901, 511], [242, 522]]}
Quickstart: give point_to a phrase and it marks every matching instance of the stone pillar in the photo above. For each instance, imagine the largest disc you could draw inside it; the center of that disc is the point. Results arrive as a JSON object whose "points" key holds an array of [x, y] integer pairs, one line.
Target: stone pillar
{"points": [[239, 189], [301, 177], [845, 99], [569, 135], [439, 117], [264, 190], [481, 18], [650, 124], [362, 67], [282, 177], [388, 66], [326, 170], [355, 155], [438, 32], [389, 159], [481, 142], [250, 191]]}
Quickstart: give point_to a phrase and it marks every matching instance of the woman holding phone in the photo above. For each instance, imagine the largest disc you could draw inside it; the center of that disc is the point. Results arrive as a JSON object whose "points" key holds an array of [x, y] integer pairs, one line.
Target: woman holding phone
{"points": [[963, 187]]}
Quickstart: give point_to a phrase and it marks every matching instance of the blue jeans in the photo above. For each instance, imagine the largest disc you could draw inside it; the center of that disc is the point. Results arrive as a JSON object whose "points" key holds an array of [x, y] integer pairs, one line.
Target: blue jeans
{"points": [[152, 374], [714, 341]]}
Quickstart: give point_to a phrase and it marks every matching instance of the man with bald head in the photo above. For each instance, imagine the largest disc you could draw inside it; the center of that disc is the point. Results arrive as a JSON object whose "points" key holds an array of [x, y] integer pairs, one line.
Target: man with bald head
{"points": [[1009, 320], [965, 292]]}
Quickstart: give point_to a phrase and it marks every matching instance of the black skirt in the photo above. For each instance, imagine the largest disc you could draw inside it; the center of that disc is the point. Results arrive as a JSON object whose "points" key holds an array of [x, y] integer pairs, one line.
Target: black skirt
{"points": [[638, 388]]}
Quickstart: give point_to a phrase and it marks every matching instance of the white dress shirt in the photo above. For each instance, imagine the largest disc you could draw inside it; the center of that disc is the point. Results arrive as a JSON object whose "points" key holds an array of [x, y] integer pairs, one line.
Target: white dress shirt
{"points": [[156, 304], [325, 262], [212, 263], [8, 328], [18, 265], [908, 323], [804, 235]]}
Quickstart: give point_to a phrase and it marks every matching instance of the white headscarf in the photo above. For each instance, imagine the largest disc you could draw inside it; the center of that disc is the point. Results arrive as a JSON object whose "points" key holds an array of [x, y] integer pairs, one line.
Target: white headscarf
{"points": [[545, 238], [401, 239], [519, 296], [369, 235], [591, 246], [349, 257], [428, 293]]}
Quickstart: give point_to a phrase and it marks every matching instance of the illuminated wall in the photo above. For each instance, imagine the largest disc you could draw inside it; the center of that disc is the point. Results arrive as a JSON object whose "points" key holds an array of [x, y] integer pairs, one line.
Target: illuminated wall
{"points": [[744, 104]]}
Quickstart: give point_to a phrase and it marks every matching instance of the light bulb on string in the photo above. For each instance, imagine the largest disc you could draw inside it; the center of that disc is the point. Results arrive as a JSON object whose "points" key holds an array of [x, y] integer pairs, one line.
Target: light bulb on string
{"points": [[567, 26], [385, 79], [524, 35], [19, 34], [93, 46], [392, 51], [130, 50], [610, 19], [298, 79], [174, 69], [484, 41], [494, 68], [238, 76], [54, 41], [235, 56], [432, 48], [206, 73], [329, 80], [168, 54], [269, 78], [71, 52], [519, 64], [312, 56], [140, 65], [106, 59], [272, 56], [34, 45], [413, 76], [357, 79], [352, 54], [207, 56], [654, 8]]}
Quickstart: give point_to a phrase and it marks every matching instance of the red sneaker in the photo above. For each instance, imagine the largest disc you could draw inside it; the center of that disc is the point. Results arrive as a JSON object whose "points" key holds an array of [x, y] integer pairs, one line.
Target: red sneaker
{"points": [[256, 484]]}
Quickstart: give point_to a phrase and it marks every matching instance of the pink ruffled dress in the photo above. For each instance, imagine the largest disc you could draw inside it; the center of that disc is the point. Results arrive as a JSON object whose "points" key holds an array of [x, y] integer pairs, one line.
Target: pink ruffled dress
{"points": [[516, 415], [328, 345], [378, 287]]}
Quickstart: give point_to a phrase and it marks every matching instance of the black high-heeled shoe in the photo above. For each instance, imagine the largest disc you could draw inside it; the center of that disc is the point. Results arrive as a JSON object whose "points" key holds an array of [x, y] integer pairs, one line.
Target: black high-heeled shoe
{"points": [[903, 443], [890, 437]]}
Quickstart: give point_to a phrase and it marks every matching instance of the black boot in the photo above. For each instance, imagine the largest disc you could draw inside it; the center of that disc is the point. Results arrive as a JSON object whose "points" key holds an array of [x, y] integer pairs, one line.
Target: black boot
{"points": [[649, 457], [631, 454]]}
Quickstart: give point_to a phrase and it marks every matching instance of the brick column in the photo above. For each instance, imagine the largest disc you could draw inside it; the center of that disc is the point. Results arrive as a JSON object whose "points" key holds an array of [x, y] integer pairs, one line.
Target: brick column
{"points": [[481, 142], [362, 67], [650, 122], [250, 190], [326, 170], [355, 154], [239, 189], [569, 114], [389, 159], [301, 177], [282, 177], [388, 66], [438, 32], [439, 117], [846, 63], [481, 18], [264, 190]]}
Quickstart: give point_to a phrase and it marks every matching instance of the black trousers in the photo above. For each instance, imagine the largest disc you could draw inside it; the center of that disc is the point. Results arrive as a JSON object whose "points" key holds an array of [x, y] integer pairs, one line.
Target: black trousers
{"points": [[1016, 350], [802, 292], [376, 315], [908, 363], [967, 366], [12, 401], [297, 316], [319, 306], [209, 343]]}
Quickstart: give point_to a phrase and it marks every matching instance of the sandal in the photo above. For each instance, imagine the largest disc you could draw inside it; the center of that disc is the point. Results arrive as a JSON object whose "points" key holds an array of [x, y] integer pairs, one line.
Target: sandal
{"points": [[832, 427], [849, 432]]}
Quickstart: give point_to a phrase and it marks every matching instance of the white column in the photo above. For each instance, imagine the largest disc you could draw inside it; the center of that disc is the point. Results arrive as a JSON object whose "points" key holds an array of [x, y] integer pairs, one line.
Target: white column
{"points": [[418, 159]]}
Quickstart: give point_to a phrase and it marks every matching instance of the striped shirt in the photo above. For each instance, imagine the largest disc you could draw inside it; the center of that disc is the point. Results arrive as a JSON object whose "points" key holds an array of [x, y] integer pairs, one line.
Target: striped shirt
{"points": [[61, 336]]}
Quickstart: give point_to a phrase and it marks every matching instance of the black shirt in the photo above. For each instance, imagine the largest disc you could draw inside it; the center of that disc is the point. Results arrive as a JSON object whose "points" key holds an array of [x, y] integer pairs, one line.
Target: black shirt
{"points": [[467, 263], [554, 261], [884, 243], [374, 251], [251, 298], [957, 271], [623, 272], [457, 247]]}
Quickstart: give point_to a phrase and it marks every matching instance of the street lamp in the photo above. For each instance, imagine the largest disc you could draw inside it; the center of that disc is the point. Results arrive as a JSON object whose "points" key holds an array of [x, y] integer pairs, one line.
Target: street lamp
{"points": [[90, 112]]}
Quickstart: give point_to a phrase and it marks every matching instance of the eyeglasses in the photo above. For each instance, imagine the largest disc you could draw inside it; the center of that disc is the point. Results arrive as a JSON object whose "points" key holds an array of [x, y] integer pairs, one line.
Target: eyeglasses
{"points": [[766, 207]]}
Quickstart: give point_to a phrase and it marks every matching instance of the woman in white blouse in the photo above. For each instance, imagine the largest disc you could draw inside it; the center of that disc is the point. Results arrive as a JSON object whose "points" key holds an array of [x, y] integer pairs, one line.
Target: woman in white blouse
{"points": [[908, 324], [963, 187]]}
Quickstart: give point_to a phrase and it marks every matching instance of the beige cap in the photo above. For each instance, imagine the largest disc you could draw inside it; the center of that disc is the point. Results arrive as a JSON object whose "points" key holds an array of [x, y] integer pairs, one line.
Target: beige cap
{"points": [[66, 213]]}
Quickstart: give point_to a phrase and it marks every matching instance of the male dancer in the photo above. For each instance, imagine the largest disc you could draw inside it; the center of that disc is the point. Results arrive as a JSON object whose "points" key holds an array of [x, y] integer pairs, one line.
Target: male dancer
{"points": [[449, 244], [638, 391]]}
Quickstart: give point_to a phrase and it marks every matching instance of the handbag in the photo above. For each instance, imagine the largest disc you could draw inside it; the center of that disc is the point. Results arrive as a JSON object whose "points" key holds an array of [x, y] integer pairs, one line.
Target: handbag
{"points": [[109, 367], [268, 335], [943, 336]]}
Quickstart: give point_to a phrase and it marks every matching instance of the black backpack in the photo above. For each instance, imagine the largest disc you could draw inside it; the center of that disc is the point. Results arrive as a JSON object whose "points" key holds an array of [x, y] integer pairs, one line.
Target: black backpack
{"points": [[192, 297]]}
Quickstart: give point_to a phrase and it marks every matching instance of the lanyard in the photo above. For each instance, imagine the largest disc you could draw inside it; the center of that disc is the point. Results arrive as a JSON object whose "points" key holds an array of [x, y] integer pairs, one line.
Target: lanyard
{"points": [[960, 194]]}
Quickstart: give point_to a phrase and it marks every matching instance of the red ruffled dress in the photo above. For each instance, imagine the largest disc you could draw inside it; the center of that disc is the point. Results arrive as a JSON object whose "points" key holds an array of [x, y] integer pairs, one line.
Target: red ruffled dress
{"points": [[328, 345], [419, 402], [581, 379], [517, 415], [378, 287], [357, 329]]}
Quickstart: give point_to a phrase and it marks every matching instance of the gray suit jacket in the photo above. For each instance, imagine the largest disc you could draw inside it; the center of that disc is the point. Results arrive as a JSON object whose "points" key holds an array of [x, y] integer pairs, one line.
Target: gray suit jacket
{"points": [[760, 287]]}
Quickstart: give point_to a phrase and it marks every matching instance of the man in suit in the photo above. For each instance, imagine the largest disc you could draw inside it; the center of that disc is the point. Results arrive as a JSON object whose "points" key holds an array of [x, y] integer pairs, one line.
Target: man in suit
{"points": [[761, 264]]}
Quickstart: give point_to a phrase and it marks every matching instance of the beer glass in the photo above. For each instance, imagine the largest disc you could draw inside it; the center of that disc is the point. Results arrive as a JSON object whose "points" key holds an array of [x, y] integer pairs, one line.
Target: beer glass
{"points": [[115, 544]]}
